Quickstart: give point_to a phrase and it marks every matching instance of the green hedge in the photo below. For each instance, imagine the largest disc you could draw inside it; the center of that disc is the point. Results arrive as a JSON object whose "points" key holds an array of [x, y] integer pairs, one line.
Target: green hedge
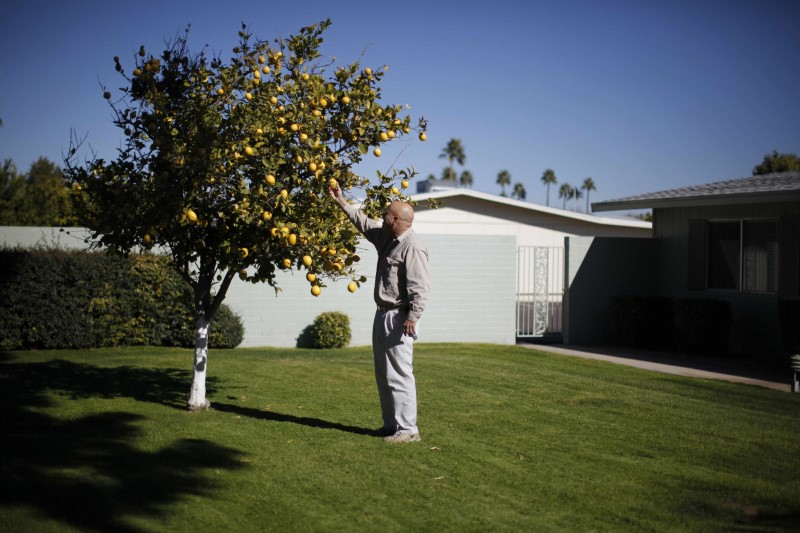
{"points": [[53, 299]]}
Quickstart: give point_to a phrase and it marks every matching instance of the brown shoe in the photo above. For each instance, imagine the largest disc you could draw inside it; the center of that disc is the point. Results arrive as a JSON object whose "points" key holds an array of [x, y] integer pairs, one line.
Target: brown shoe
{"points": [[400, 438]]}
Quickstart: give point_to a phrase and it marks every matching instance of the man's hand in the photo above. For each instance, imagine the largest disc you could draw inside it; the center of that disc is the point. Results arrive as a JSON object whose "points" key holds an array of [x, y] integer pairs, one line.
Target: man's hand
{"points": [[336, 193], [409, 328]]}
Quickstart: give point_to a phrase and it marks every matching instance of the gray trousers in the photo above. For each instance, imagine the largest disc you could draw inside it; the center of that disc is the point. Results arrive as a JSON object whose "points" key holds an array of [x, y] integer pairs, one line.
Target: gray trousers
{"points": [[394, 371]]}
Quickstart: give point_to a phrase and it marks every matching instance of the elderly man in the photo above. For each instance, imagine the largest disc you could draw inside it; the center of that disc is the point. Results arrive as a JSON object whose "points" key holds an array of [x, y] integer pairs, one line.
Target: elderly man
{"points": [[402, 284]]}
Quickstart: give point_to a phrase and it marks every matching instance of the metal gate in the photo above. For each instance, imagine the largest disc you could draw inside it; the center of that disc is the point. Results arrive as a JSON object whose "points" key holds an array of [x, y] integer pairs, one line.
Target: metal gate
{"points": [[540, 288]]}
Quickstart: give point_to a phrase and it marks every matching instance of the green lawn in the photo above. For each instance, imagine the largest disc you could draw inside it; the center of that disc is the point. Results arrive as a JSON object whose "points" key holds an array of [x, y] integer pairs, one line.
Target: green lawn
{"points": [[513, 440]]}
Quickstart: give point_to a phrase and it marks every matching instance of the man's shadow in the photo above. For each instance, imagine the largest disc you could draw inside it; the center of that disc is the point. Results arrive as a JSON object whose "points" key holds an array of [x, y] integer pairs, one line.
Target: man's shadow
{"points": [[278, 417]]}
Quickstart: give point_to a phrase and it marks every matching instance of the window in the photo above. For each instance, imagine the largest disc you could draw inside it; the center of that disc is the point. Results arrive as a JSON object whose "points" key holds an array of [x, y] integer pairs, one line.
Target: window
{"points": [[742, 255]]}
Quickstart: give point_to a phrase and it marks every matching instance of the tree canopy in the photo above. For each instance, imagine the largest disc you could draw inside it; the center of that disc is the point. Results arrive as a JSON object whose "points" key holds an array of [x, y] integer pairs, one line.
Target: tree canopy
{"points": [[777, 162], [39, 197]]}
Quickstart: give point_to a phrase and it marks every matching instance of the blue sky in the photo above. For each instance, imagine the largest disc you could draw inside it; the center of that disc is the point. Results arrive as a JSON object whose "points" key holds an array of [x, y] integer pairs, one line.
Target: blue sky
{"points": [[640, 96]]}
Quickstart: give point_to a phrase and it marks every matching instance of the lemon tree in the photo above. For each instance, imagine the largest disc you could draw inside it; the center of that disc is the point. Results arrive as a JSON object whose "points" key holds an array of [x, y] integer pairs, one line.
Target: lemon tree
{"points": [[226, 163]]}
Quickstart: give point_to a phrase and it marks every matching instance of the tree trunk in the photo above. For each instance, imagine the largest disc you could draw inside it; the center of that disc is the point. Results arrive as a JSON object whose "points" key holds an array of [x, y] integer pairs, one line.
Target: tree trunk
{"points": [[197, 395]]}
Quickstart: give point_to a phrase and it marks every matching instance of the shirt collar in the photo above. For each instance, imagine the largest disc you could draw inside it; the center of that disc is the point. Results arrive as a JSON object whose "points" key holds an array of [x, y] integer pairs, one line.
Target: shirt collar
{"points": [[403, 236]]}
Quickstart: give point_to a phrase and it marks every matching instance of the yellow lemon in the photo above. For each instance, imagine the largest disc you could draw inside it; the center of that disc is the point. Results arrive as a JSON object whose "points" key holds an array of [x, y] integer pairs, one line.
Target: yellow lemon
{"points": [[345, 99], [404, 184], [287, 263], [423, 137], [270, 179], [315, 290], [307, 262], [266, 215], [191, 215], [311, 277], [377, 152], [352, 286]]}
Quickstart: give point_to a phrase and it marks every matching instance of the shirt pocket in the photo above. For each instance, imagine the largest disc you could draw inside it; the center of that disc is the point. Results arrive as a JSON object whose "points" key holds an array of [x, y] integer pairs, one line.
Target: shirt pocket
{"points": [[391, 283]]}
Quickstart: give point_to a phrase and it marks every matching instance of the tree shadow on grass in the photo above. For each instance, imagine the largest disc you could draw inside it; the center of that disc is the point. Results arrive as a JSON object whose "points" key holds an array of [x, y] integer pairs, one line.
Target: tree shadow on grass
{"points": [[86, 472], [165, 386], [302, 420]]}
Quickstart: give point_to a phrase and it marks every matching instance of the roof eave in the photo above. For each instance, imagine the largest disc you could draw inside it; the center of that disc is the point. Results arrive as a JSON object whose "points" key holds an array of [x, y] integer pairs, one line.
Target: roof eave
{"points": [[698, 201]]}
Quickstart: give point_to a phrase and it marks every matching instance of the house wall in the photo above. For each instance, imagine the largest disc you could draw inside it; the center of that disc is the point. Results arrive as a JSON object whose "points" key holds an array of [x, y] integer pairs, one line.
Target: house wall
{"points": [[597, 270], [472, 299], [755, 328]]}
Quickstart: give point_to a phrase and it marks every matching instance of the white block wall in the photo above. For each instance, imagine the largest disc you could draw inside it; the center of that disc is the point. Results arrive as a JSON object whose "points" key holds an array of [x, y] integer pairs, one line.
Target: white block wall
{"points": [[472, 297]]}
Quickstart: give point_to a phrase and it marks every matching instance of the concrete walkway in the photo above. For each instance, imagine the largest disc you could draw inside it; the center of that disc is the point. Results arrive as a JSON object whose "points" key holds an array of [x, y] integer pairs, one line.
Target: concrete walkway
{"points": [[679, 364]]}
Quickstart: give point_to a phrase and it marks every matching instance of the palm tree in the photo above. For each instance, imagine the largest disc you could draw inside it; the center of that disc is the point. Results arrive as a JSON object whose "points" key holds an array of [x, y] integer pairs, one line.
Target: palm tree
{"points": [[588, 186], [565, 192], [503, 179], [453, 152], [576, 193], [548, 178], [519, 191], [466, 179], [448, 174]]}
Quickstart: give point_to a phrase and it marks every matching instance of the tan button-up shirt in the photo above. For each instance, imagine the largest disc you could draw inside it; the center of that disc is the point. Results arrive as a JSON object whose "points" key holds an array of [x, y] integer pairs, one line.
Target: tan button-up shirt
{"points": [[402, 277]]}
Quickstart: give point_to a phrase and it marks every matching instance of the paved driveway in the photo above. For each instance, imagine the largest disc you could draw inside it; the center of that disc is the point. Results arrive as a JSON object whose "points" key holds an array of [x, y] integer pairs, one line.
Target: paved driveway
{"points": [[737, 371]]}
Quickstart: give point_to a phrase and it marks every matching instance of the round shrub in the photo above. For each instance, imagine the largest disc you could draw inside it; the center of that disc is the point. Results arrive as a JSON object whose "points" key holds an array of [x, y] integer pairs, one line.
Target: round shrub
{"points": [[331, 330], [227, 330]]}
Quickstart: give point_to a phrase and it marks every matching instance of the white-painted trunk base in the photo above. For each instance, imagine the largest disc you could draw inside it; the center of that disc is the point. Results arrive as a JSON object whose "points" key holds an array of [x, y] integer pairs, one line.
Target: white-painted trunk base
{"points": [[197, 394]]}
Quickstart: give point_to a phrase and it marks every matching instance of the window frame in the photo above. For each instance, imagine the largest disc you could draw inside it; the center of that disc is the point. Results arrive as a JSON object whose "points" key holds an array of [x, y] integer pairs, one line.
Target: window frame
{"points": [[740, 278]]}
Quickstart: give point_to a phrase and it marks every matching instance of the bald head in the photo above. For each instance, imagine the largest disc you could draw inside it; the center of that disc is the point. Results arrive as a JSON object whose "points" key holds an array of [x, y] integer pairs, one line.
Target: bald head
{"points": [[402, 210], [398, 218]]}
